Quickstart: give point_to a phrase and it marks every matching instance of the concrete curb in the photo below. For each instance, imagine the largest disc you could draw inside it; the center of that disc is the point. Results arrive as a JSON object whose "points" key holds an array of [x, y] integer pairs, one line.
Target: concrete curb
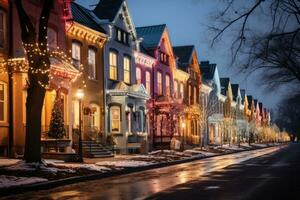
{"points": [[77, 179]]}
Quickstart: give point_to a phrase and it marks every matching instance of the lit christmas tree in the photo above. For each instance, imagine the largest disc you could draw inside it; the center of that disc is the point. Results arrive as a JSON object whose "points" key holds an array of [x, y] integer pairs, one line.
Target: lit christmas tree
{"points": [[57, 129]]}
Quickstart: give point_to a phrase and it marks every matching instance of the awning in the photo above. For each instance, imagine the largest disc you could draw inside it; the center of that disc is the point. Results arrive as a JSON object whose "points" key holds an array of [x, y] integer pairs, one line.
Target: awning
{"points": [[63, 69]]}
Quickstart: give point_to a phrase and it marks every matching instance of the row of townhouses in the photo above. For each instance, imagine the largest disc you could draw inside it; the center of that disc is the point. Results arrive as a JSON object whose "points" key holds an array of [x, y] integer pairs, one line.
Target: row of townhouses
{"points": [[139, 90]]}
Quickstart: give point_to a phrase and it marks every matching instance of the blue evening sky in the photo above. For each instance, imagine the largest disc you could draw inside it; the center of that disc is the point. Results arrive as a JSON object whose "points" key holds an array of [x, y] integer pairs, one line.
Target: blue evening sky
{"points": [[187, 22]]}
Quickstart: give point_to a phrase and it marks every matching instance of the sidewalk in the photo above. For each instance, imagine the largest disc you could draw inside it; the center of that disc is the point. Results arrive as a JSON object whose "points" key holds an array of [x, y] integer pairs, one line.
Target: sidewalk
{"points": [[17, 176]]}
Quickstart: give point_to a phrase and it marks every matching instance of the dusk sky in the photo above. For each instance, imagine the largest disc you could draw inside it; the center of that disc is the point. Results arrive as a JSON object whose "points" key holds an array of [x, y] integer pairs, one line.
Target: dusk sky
{"points": [[187, 24]]}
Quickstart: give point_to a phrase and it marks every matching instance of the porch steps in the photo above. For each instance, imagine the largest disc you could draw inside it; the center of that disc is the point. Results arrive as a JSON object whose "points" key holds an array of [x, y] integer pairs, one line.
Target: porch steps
{"points": [[92, 149]]}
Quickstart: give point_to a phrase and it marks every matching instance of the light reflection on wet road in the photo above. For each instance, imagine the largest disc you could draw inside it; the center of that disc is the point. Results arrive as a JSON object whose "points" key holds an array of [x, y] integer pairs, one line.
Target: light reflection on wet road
{"points": [[142, 184]]}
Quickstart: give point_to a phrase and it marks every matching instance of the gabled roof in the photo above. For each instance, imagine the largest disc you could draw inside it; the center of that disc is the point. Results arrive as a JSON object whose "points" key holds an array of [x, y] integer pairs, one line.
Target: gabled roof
{"points": [[243, 93], [224, 85], [255, 103], [108, 9], [234, 88], [208, 70], [184, 54], [260, 107], [85, 17], [151, 35], [249, 98]]}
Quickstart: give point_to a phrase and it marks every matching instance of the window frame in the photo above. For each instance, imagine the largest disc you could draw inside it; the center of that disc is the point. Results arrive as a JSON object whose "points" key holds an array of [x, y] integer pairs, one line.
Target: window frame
{"points": [[168, 84], [148, 82], [159, 83], [76, 56], [127, 72], [3, 29], [118, 120], [138, 73], [5, 102], [113, 52], [92, 70]]}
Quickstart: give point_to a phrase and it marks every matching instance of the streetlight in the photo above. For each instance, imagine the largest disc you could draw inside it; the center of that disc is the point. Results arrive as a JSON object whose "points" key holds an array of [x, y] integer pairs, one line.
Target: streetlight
{"points": [[183, 127], [80, 96]]}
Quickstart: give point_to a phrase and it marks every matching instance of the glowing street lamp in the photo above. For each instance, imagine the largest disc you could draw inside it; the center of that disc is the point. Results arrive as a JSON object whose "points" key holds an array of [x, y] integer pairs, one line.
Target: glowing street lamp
{"points": [[80, 96]]}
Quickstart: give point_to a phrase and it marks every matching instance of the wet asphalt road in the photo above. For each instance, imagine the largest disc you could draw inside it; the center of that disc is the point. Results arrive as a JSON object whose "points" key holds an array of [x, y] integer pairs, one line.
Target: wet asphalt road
{"points": [[178, 180], [269, 177]]}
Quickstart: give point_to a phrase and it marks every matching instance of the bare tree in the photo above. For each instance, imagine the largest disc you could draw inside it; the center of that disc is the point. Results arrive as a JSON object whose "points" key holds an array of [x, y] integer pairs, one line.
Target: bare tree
{"points": [[288, 116], [35, 45], [265, 37]]}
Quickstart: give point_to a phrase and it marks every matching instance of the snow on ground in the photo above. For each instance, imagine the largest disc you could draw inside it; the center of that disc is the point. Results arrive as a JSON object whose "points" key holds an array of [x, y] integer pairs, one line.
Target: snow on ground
{"points": [[204, 153], [75, 166], [124, 163], [9, 181], [7, 162], [30, 167], [259, 145]]}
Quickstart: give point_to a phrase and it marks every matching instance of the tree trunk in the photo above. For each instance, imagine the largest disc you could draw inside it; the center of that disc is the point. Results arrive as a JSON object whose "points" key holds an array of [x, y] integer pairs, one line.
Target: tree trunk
{"points": [[34, 105]]}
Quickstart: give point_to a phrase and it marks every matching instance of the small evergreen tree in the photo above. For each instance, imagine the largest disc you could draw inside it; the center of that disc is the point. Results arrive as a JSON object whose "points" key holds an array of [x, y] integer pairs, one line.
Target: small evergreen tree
{"points": [[57, 129]]}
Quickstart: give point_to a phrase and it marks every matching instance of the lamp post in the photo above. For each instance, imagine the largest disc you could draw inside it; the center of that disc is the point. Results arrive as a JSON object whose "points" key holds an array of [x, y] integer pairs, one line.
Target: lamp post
{"points": [[183, 127], [80, 96]]}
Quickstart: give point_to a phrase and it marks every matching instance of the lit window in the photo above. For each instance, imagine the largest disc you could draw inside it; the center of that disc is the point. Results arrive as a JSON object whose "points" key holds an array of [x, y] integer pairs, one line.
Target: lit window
{"points": [[113, 72], [3, 102], [159, 83], [138, 75], [76, 54], [126, 61], [148, 82], [181, 90], [52, 38], [2, 29], [195, 95], [95, 116], [176, 89], [92, 63], [190, 94], [168, 88], [115, 119]]}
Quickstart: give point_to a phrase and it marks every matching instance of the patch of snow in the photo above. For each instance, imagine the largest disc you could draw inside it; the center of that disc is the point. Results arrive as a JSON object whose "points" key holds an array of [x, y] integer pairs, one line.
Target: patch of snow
{"points": [[204, 153], [259, 145], [75, 166], [7, 162], [9, 181], [124, 163]]}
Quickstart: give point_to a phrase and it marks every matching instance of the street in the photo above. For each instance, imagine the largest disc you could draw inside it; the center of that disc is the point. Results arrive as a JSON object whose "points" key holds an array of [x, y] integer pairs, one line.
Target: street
{"points": [[202, 179], [272, 176]]}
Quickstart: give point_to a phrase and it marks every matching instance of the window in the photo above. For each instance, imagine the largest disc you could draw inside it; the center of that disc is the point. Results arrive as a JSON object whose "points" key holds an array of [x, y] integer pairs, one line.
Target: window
{"points": [[2, 28], [52, 38], [3, 102], [76, 54], [195, 95], [92, 63], [168, 87], [95, 116], [138, 75], [163, 58], [122, 36], [176, 89], [148, 82], [159, 83], [115, 119], [190, 94], [113, 72], [181, 90], [126, 62]]}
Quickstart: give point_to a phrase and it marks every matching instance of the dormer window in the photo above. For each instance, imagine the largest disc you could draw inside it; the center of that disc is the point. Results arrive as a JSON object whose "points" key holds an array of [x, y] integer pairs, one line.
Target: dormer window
{"points": [[163, 57], [122, 36]]}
